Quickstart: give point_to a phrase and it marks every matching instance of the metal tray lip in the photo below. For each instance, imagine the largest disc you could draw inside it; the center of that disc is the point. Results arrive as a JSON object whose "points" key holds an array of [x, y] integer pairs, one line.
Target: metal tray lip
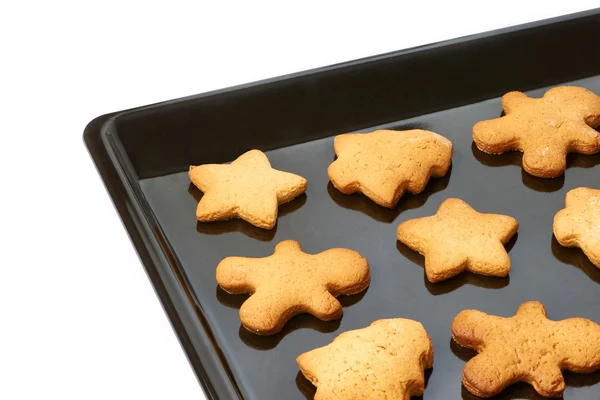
{"points": [[183, 314], [366, 60]]}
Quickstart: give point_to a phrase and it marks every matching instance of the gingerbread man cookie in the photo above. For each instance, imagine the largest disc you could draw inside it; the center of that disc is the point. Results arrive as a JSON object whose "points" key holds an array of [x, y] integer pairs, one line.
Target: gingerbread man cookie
{"points": [[458, 238], [384, 164], [248, 188], [291, 282], [525, 348], [578, 225], [545, 129], [383, 361]]}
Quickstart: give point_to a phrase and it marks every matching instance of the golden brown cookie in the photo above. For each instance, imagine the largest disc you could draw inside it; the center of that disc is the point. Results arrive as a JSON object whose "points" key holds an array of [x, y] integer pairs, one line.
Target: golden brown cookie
{"points": [[383, 361], [291, 282], [545, 129], [248, 188], [458, 238], [578, 225], [525, 348], [384, 164]]}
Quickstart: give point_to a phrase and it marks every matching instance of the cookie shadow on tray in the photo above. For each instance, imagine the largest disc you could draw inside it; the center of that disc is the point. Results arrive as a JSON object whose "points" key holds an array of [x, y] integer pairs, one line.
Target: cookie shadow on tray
{"points": [[309, 390], [238, 225], [515, 158], [301, 321], [465, 277], [575, 256], [360, 202]]}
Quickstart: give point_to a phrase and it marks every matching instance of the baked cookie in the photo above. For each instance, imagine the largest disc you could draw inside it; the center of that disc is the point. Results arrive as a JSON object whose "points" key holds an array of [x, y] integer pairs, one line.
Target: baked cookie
{"points": [[384, 164], [248, 188], [578, 225], [291, 282], [383, 361], [458, 238], [545, 129], [525, 348]]}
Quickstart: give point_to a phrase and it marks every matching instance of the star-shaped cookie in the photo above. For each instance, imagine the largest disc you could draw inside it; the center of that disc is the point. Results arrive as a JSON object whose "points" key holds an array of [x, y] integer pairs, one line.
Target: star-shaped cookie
{"points": [[292, 282], [545, 129], [525, 348], [458, 238], [384, 164], [248, 188], [578, 225], [383, 361]]}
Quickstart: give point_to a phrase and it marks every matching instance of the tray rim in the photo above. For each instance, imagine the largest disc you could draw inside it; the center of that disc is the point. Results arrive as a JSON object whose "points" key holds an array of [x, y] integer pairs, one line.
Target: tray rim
{"points": [[153, 250]]}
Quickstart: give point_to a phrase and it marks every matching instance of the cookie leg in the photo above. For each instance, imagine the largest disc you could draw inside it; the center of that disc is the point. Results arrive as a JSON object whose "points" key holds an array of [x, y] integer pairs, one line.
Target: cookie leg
{"points": [[486, 377], [547, 380], [265, 314], [325, 307], [547, 161], [592, 251]]}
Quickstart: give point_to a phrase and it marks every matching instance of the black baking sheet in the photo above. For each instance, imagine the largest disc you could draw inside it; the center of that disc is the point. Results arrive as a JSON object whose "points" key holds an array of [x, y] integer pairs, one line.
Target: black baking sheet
{"points": [[143, 155]]}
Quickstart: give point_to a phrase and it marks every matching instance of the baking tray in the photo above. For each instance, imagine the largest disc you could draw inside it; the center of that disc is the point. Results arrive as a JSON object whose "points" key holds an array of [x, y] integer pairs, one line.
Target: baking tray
{"points": [[143, 156]]}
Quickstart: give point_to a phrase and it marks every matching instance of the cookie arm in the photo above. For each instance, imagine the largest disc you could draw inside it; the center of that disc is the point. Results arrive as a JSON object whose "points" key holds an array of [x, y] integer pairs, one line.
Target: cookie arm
{"points": [[234, 275], [565, 228], [469, 328], [496, 136], [579, 344], [585, 140], [345, 271]]}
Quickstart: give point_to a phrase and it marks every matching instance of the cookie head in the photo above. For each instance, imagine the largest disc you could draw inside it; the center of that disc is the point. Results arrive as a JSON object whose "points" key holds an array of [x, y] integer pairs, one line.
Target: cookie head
{"points": [[384, 164], [578, 224], [545, 129], [386, 360], [292, 282], [248, 188], [527, 347]]}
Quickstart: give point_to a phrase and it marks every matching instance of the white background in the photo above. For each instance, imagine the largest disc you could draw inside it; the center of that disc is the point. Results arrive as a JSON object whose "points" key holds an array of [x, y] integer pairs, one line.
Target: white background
{"points": [[78, 316]]}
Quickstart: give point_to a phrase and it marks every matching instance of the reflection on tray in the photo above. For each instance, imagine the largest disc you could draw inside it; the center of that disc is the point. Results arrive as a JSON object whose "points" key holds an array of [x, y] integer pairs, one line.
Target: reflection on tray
{"points": [[238, 225], [301, 321], [575, 257], [360, 202], [449, 285], [533, 182]]}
